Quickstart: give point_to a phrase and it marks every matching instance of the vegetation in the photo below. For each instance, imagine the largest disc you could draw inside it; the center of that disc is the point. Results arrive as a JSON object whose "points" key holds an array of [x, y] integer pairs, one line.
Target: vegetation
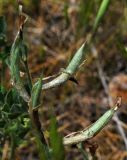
{"points": [[22, 103]]}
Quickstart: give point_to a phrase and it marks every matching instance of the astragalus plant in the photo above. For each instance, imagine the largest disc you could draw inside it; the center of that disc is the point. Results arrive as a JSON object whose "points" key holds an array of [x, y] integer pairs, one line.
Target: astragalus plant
{"points": [[20, 105]]}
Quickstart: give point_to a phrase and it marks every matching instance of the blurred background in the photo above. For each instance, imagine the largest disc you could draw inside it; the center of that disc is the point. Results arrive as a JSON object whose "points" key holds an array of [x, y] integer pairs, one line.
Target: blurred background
{"points": [[54, 31]]}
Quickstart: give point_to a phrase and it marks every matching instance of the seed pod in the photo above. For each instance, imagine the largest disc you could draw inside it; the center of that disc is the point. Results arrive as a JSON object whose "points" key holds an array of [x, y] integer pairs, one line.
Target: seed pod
{"points": [[76, 60], [94, 129]]}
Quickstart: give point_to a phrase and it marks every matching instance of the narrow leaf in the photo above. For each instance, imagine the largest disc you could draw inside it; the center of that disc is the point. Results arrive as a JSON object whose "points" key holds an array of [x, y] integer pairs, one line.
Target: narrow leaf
{"points": [[15, 70], [56, 141], [42, 150], [36, 93], [103, 8]]}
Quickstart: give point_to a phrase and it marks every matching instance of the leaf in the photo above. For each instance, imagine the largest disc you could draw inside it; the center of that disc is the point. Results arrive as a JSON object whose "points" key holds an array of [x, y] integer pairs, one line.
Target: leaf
{"points": [[102, 10], [36, 93], [15, 59], [19, 126], [85, 11], [56, 141], [82, 150], [43, 155], [15, 70]]}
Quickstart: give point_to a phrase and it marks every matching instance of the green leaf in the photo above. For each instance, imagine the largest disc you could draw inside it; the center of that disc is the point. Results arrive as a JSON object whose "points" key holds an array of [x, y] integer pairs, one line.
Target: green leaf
{"points": [[43, 155], [36, 93], [56, 141], [82, 150], [85, 11], [19, 126], [102, 10], [15, 59], [65, 13], [15, 70]]}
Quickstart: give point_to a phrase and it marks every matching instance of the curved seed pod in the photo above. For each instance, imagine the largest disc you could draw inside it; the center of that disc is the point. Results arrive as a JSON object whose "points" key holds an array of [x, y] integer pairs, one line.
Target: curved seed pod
{"points": [[36, 93], [100, 14], [76, 60], [70, 69], [92, 130]]}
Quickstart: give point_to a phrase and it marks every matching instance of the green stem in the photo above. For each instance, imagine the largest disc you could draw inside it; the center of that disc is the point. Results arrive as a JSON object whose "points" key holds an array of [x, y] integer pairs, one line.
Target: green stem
{"points": [[84, 153], [40, 139], [12, 151]]}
